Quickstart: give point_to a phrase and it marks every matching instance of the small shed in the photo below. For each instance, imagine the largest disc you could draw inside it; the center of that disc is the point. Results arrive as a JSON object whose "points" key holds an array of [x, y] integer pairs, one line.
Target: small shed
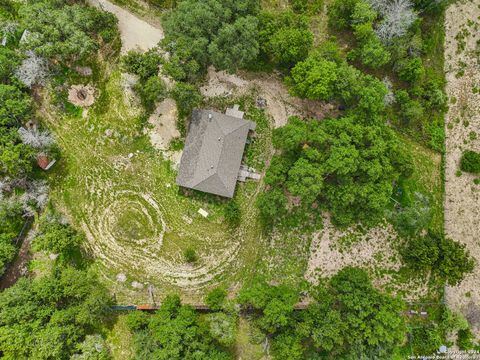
{"points": [[42, 161]]}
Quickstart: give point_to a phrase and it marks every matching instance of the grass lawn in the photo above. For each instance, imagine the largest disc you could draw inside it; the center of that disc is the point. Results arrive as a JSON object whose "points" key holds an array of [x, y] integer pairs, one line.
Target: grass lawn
{"points": [[121, 192]]}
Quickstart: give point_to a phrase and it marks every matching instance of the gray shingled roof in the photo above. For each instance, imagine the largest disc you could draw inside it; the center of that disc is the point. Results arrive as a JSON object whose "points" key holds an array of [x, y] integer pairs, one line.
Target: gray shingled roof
{"points": [[213, 152]]}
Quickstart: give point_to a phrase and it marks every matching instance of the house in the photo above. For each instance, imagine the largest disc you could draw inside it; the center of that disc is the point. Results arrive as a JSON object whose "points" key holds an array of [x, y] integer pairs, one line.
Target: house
{"points": [[213, 151]]}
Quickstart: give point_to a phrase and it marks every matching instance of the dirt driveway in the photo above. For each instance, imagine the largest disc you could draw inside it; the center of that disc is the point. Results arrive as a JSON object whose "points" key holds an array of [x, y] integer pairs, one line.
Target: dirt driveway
{"points": [[135, 33]]}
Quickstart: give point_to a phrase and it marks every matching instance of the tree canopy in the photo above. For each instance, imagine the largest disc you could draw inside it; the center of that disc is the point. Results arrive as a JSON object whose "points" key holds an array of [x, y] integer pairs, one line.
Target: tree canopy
{"points": [[349, 167]]}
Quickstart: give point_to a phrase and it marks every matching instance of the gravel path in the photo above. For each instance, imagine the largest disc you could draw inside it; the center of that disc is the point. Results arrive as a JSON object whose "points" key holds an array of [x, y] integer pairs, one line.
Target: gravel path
{"points": [[135, 33], [462, 196]]}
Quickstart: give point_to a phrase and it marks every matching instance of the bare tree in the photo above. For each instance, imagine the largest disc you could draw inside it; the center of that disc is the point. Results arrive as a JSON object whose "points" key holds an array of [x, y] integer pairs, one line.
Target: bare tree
{"points": [[36, 138], [398, 16], [35, 197], [33, 70]]}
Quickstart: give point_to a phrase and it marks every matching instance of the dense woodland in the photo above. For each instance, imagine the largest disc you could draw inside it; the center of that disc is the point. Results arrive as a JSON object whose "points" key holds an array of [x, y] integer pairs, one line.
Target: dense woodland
{"points": [[353, 166]]}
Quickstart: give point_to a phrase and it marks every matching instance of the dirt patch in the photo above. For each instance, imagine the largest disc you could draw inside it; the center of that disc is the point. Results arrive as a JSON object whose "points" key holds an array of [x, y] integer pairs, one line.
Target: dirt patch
{"points": [[81, 95], [164, 127], [462, 196], [279, 103], [136, 34], [333, 249]]}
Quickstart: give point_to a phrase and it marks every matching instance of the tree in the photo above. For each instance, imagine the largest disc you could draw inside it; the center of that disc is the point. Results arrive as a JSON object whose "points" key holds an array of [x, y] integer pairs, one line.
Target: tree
{"points": [[33, 70], [144, 65], [56, 238], [288, 346], [350, 167], [454, 261], [411, 69], [9, 61], [305, 179], [199, 33], [315, 78], [398, 17], [175, 332], [48, 317], [236, 45], [223, 328], [15, 160], [152, 91], [272, 205], [216, 298], [93, 347], [61, 31], [276, 304], [373, 321], [15, 106], [288, 46], [422, 252]]}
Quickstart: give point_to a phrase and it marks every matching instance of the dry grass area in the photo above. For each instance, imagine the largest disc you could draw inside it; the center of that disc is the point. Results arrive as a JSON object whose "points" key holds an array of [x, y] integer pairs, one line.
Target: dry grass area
{"points": [[462, 196]]}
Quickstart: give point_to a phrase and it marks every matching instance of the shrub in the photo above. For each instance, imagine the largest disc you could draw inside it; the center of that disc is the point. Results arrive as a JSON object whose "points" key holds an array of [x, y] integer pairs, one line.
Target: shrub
{"points": [[411, 70], [470, 162], [152, 91], [232, 213], [190, 255], [422, 252], [144, 65], [216, 298], [306, 6]]}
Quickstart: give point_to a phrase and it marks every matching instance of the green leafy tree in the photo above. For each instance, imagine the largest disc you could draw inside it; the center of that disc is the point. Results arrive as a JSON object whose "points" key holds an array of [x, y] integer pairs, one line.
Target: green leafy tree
{"points": [[422, 252], [272, 205], [216, 298], [48, 317], [288, 346], [236, 45], [350, 167], [454, 261], [373, 320], [15, 106], [62, 31], [276, 304], [56, 238], [9, 61], [144, 65], [314, 78], [290, 45], [199, 33], [152, 91], [411, 70], [175, 332], [223, 328], [15, 160]]}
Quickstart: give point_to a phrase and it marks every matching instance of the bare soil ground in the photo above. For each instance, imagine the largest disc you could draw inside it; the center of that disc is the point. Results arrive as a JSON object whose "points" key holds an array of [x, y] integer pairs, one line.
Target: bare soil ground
{"points": [[164, 120], [135, 33], [280, 104], [462, 196]]}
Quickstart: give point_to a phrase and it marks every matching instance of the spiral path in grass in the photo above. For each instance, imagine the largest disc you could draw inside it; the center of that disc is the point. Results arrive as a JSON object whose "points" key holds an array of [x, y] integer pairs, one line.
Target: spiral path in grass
{"points": [[126, 228]]}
